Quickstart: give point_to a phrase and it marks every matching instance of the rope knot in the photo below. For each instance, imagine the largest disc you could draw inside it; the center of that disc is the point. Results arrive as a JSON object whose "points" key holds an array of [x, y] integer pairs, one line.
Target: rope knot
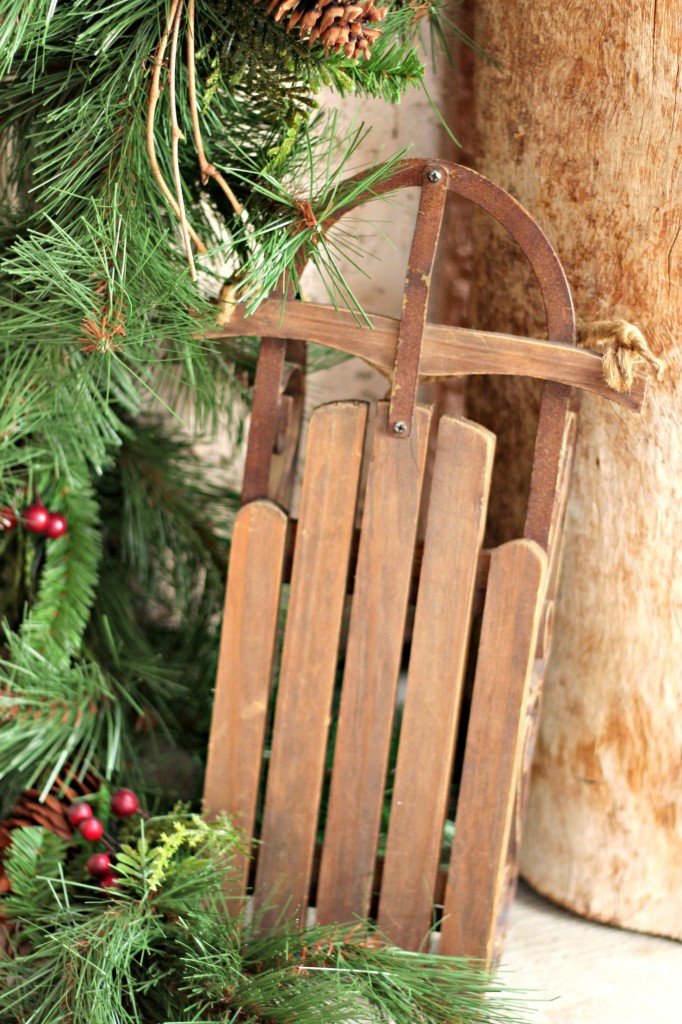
{"points": [[624, 349]]}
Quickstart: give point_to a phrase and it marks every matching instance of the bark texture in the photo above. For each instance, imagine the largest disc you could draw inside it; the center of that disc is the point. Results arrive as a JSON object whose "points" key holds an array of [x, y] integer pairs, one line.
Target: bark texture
{"points": [[582, 124]]}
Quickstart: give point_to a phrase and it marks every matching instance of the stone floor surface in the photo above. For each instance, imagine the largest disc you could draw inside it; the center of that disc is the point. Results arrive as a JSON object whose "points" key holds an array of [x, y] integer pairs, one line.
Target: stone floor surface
{"points": [[580, 972]]}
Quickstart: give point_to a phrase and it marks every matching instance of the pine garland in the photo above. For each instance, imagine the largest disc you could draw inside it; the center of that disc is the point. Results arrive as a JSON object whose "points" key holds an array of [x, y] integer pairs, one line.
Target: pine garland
{"points": [[169, 945], [111, 631]]}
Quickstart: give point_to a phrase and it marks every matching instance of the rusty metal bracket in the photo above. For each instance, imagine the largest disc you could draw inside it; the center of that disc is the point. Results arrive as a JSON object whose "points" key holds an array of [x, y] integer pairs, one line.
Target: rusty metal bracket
{"points": [[276, 415], [416, 298], [263, 432]]}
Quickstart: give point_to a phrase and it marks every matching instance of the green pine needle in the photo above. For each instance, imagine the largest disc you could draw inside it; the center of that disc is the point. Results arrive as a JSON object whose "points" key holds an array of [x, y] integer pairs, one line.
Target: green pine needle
{"points": [[56, 720], [169, 945], [59, 617], [320, 184]]}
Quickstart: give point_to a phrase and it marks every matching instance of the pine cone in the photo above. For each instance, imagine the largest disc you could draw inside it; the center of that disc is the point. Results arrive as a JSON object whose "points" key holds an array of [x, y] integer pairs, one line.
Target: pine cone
{"points": [[337, 24], [50, 813]]}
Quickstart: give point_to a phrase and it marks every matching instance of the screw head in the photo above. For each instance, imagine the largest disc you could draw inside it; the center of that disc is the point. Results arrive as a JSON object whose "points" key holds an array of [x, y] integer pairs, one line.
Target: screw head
{"points": [[400, 427], [434, 176]]}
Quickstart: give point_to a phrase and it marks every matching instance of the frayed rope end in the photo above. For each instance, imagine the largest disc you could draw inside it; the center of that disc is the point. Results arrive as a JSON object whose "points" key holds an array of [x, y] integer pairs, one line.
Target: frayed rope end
{"points": [[624, 349]]}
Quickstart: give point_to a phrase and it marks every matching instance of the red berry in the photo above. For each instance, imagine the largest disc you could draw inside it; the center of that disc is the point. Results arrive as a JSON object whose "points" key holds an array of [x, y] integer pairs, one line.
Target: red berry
{"points": [[109, 881], [8, 519], [56, 525], [35, 518], [124, 803], [77, 813], [91, 829], [99, 865]]}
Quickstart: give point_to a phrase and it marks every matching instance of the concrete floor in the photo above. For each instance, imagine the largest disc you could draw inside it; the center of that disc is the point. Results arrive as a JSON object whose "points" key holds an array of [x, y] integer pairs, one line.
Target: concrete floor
{"points": [[578, 972]]}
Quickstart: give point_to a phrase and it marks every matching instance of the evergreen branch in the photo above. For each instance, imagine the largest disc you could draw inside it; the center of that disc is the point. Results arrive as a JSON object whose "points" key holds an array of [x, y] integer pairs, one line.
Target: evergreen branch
{"points": [[35, 855], [19, 27], [168, 523], [407, 20], [82, 114], [56, 719], [169, 946], [300, 203], [57, 620], [394, 68], [68, 974]]}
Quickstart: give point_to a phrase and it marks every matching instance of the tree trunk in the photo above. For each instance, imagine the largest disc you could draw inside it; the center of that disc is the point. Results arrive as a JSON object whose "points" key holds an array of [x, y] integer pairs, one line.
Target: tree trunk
{"points": [[582, 125]]}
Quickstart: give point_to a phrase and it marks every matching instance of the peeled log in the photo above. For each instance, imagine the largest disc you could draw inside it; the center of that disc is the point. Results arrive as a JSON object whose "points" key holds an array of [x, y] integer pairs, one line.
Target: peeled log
{"points": [[582, 124]]}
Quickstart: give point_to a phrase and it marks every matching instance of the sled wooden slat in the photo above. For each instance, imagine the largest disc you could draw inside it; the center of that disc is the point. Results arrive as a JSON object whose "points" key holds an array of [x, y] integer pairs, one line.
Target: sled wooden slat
{"points": [[494, 746], [309, 656], [245, 666], [483, 564], [454, 535], [372, 666]]}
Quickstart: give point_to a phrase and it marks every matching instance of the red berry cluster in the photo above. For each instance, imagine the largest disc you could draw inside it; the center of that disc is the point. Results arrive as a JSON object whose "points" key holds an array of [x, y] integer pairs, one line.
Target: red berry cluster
{"points": [[124, 803], [36, 519]]}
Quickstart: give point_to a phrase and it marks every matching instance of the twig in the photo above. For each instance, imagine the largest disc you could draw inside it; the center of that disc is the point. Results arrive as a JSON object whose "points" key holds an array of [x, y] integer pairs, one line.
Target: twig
{"points": [[154, 94], [206, 169], [176, 135]]}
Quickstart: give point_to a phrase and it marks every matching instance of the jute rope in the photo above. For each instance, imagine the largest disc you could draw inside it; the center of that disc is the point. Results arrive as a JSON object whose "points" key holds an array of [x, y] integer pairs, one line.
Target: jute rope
{"points": [[624, 350]]}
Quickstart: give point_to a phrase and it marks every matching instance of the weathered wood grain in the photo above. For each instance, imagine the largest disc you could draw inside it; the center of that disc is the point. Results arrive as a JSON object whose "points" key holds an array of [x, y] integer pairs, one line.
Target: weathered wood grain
{"points": [[454, 535], [245, 666], [446, 351], [494, 747], [373, 655], [591, 147], [309, 656], [263, 432]]}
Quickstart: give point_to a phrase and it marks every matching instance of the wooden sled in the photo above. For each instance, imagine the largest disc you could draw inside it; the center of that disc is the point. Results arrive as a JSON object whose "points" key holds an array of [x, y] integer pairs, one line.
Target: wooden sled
{"points": [[358, 586]]}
